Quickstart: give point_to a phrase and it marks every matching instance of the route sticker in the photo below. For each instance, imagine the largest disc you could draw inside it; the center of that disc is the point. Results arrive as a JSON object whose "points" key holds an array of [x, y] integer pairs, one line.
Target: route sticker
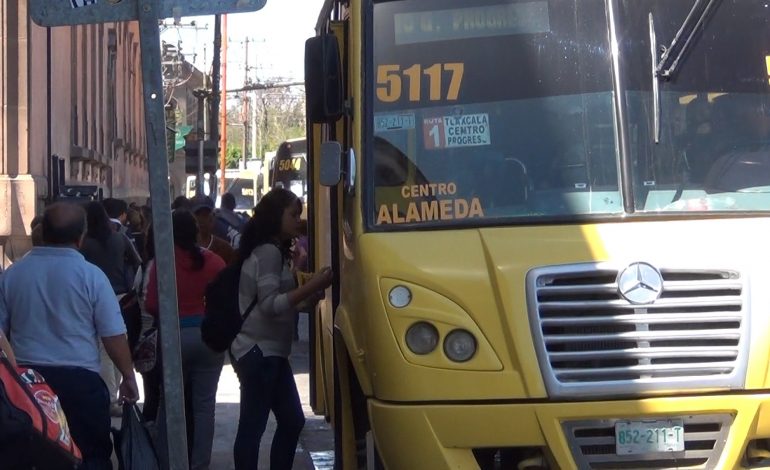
{"points": [[467, 130]]}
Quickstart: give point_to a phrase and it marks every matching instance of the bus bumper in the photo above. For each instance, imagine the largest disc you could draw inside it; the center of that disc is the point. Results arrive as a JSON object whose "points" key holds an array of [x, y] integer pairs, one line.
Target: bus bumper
{"points": [[450, 436]]}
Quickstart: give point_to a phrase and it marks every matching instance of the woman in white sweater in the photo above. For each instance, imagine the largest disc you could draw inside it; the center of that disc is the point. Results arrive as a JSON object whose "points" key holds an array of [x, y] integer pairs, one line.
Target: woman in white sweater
{"points": [[261, 350]]}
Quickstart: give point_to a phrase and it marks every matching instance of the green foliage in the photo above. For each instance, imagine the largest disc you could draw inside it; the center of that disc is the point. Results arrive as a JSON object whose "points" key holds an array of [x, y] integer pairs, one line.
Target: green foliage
{"points": [[233, 155]]}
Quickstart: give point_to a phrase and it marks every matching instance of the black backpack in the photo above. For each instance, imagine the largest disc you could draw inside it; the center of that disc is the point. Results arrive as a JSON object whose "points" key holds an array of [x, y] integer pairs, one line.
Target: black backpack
{"points": [[222, 318]]}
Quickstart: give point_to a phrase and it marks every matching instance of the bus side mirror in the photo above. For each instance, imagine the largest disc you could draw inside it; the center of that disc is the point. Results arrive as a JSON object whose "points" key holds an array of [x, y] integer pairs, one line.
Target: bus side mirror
{"points": [[323, 79], [331, 163]]}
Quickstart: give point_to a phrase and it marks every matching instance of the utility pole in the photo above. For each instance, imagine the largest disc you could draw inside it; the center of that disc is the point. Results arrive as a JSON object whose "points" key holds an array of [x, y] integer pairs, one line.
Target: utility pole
{"points": [[223, 127], [245, 112], [245, 117], [201, 96], [214, 102]]}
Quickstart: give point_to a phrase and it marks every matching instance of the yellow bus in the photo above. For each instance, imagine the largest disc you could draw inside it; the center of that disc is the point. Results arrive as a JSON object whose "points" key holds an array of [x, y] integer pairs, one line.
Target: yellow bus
{"points": [[288, 169], [549, 224]]}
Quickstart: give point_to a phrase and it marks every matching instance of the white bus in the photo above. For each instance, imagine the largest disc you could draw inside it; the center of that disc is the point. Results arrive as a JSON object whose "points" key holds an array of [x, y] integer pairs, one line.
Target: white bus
{"points": [[246, 185]]}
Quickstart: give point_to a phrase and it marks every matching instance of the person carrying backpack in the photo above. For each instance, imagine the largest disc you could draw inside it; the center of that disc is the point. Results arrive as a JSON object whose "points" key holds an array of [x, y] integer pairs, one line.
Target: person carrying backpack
{"points": [[261, 349]]}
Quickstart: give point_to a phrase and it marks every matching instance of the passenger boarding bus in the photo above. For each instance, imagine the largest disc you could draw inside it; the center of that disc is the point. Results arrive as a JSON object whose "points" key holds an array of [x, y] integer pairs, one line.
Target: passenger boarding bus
{"points": [[549, 224]]}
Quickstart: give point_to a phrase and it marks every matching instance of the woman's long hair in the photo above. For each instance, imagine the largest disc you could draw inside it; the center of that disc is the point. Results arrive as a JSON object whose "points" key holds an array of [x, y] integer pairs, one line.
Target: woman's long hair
{"points": [[98, 223], [186, 236], [265, 225]]}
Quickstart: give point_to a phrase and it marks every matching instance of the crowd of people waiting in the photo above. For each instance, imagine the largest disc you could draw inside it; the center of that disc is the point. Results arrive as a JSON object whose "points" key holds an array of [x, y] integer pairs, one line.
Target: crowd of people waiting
{"points": [[60, 314]]}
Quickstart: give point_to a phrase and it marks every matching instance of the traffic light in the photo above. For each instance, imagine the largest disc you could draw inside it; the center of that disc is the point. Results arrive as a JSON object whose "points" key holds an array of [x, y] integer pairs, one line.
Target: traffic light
{"points": [[210, 150]]}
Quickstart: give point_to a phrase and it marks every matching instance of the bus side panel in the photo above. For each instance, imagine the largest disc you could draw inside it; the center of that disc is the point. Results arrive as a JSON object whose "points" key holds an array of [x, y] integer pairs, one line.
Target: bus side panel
{"points": [[322, 391]]}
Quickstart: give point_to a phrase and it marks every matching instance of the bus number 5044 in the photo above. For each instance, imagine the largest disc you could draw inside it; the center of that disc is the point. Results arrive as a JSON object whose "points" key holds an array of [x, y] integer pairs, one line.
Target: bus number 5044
{"points": [[390, 81]]}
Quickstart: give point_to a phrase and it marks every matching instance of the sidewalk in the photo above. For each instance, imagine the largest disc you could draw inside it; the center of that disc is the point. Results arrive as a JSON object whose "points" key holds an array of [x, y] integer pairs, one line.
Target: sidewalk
{"points": [[316, 432], [316, 446]]}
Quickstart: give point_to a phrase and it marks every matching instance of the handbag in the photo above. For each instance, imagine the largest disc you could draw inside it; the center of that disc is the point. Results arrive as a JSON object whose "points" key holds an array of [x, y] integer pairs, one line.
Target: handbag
{"points": [[145, 353], [132, 316], [33, 428]]}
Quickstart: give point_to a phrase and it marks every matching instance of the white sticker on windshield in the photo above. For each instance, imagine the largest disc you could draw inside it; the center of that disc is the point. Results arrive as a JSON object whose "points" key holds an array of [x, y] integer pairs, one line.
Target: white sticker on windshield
{"points": [[393, 122], [467, 130]]}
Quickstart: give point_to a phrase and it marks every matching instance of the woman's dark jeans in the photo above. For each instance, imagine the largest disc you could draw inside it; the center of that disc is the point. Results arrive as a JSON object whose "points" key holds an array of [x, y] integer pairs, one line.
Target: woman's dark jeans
{"points": [[267, 383]]}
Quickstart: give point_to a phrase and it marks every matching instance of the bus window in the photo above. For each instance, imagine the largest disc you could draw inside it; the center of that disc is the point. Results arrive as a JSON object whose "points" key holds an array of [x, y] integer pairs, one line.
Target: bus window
{"points": [[714, 113], [454, 94]]}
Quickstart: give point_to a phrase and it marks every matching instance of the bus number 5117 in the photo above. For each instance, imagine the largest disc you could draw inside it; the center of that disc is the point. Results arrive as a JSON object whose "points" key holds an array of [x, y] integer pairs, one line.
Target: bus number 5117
{"points": [[390, 81]]}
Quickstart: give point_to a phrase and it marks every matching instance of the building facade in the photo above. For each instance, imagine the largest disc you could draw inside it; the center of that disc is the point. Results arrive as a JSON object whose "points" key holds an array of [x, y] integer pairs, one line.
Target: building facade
{"points": [[71, 95]]}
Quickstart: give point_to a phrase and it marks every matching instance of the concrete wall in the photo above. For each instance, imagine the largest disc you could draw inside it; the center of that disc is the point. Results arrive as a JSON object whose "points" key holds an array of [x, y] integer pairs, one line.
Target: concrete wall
{"points": [[95, 110]]}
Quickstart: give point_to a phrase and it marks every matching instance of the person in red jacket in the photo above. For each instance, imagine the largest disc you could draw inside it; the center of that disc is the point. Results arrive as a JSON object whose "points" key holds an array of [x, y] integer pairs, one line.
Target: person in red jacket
{"points": [[201, 367]]}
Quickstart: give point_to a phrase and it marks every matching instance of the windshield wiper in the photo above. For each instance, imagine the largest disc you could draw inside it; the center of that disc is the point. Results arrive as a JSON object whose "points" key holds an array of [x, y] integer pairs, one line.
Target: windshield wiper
{"points": [[667, 66], [655, 83]]}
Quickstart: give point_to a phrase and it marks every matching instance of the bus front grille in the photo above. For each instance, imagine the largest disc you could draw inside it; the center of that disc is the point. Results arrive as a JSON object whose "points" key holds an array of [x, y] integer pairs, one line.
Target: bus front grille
{"points": [[592, 340], [593, 445]]}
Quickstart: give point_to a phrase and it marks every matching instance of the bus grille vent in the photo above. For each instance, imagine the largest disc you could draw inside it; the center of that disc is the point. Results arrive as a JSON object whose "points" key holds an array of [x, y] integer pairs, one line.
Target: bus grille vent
{"points": [[593, 445], [592, 341]]}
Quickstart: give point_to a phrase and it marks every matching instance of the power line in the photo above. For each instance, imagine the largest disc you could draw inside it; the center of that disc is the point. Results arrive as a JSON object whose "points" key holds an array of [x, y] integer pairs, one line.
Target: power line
{"points": [[266, 86]]}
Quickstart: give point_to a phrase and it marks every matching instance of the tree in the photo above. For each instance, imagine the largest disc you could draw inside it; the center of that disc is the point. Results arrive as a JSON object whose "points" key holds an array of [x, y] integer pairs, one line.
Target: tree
{"points": [[279, 115]]}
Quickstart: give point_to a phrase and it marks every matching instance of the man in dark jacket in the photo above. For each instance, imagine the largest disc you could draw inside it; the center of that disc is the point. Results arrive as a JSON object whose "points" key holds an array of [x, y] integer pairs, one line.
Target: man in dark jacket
{"points": [[228, 224]]}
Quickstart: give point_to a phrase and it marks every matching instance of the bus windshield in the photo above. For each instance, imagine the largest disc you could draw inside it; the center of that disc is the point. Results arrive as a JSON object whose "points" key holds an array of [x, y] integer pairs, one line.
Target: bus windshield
{"points": [[504, 109]]}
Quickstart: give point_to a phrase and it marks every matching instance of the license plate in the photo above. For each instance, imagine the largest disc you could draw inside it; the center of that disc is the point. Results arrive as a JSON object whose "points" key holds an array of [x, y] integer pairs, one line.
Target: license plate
{"points": [[649, 437]]}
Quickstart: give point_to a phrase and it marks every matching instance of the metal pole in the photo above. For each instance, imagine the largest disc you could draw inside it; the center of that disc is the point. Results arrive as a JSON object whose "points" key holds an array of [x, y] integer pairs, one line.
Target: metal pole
{"points": [[155, 126]]}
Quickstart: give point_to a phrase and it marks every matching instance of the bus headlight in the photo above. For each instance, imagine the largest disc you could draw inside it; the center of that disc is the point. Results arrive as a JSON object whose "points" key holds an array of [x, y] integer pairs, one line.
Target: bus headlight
{"points": [[460, 346], [422, 338]]}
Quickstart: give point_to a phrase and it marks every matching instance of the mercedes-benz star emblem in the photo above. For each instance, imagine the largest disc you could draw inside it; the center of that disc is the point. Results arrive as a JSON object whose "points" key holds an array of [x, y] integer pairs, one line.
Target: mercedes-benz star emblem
{"points": [[640, 283]]}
